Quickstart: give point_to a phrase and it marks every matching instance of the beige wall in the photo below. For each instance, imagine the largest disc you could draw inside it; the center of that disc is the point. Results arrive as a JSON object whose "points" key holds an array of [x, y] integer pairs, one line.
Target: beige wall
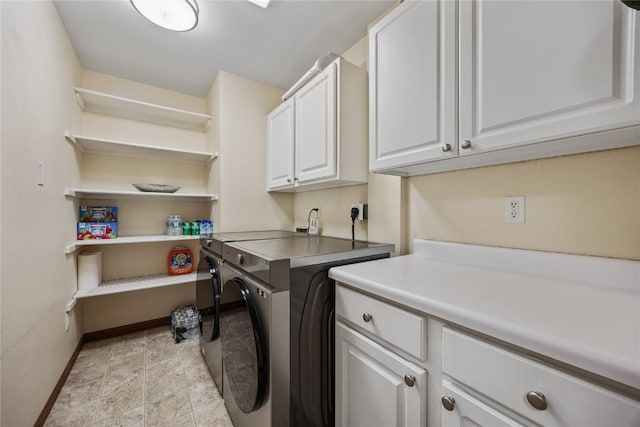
{"points": [[39, 69], [244, 204], [583, 204]]}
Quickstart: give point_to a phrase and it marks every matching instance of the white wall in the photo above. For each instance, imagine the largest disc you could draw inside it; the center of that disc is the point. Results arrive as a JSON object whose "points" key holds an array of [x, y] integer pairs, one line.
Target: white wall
{"points": [[39, 70]]}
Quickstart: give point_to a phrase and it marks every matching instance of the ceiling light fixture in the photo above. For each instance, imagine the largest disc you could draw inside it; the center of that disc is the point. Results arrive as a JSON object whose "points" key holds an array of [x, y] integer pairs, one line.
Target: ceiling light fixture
{"points": [[261, 3], [175, 15]]}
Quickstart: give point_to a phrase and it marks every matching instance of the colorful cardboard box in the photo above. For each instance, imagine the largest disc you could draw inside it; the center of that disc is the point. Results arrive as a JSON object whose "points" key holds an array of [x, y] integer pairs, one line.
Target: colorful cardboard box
{"points": [[98, 214], [97, 230]]}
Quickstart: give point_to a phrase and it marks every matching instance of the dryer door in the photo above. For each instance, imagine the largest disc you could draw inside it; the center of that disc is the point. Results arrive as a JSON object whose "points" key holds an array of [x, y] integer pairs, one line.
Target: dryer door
{"points": [[244, 350]]}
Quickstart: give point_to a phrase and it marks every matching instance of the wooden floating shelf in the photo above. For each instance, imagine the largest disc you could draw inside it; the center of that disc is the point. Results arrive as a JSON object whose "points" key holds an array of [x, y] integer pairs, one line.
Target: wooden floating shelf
{"points": [[118, 286], [102, 103], [92, 145]]}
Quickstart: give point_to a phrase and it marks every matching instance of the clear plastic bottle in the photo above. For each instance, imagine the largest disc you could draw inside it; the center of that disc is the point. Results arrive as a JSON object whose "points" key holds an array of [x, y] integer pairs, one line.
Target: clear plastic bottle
{"points": [[174, 225]]}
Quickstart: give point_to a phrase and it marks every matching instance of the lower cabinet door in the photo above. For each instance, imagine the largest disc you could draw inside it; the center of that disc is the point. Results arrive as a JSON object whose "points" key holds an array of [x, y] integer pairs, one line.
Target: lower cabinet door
{"points": [[374, 386], [463, 410]]}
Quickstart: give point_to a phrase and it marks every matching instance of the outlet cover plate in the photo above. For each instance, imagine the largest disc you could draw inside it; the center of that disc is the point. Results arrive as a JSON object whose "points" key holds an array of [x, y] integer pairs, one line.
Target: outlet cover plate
{"points": [[514, 210]]}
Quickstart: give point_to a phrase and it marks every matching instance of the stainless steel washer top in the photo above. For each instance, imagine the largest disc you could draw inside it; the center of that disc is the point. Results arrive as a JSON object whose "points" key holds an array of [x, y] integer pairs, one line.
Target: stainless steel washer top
{"points": [[215, 242], [272, 260]]}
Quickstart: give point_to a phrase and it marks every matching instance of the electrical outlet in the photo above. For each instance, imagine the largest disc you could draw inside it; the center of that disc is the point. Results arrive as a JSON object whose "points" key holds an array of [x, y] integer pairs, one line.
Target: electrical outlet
{"points": [[514, 210], [362, 210]]}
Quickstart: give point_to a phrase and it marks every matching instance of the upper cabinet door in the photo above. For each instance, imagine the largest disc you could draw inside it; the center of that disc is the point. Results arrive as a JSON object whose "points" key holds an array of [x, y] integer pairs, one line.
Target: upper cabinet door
{"points": [[315, 128], [412, 84], [280, 146], [537, 70]]}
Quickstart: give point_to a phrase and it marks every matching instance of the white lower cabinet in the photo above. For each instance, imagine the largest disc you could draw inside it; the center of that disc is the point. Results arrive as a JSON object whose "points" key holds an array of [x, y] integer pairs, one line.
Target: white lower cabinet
{"points": [[376, 387], [381, 380], [537, 392]]}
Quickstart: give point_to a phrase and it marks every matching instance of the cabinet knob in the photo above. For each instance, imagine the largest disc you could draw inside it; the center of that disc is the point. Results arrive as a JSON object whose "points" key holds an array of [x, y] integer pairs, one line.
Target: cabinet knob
{"points": [[295, 179], [446, 147], [466, 144], [289, 180], [409, 380], [537, 400], [367, 317], [240, 259], [448, 402]]}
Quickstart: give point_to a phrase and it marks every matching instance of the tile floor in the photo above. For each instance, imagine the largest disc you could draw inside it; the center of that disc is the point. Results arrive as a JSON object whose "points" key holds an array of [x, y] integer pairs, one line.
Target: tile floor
{"points": [[141, 379]]}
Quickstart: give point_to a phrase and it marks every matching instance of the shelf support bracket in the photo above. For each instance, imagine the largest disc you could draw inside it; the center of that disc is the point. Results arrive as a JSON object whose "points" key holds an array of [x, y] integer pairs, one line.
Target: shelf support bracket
{"points": [[70, 138], [67, 312], [70, 248], [207, 125], [79, 100]]}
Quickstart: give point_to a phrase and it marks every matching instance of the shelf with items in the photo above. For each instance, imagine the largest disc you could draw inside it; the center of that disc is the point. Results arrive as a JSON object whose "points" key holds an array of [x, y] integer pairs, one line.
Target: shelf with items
{"points": [[126, 240], [89, 193], [93, 145], [102, 103], [129, 284]]}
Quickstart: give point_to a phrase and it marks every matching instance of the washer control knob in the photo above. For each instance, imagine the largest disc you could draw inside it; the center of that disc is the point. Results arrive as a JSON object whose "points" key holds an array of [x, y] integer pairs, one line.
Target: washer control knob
{"points": [[240, 259]]}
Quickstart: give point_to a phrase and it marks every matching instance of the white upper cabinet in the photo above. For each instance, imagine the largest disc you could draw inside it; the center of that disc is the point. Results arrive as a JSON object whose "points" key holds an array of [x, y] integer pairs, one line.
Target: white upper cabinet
{"points": [[318, 138], [412, 84], [280, 146], [532, 71], [501, 81], [315, 153]]}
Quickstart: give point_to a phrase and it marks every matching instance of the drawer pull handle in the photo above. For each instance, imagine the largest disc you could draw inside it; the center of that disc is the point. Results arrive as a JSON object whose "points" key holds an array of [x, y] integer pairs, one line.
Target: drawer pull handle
{"points": [[537, 400], [367, 317], [448, 402], [409, 380]]}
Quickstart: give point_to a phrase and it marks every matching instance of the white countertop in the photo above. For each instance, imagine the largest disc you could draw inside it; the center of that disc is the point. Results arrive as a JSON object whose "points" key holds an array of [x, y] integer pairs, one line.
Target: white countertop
{"points": [[583, 311]]}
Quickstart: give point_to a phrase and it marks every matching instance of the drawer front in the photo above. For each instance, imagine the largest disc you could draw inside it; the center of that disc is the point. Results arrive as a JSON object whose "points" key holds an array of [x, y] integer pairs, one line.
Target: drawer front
{"points": [[507, 378], [403, 329]]}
